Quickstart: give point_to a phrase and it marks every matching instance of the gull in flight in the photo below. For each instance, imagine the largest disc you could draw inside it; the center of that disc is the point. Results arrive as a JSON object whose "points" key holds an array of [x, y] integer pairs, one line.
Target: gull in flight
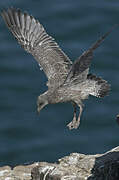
{"points": [[67, 81]]}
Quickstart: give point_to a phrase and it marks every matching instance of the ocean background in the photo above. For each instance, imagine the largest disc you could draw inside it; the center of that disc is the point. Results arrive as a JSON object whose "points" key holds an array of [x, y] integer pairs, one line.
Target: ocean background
{"points": [[26, 137]]}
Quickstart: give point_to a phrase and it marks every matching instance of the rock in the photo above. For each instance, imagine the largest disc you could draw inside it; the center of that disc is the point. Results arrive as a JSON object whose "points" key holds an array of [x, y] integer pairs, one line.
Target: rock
{"points": [[117, 118], [80, 167], [73, 167], [17, 173]]}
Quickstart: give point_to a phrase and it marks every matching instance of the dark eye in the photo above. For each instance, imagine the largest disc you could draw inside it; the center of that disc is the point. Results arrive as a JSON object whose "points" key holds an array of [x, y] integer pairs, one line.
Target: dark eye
{"points": [[41, 103]]}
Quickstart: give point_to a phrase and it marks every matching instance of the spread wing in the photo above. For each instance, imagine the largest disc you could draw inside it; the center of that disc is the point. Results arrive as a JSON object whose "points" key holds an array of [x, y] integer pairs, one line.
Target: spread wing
{"points": [[34, 39], [80, 67]]}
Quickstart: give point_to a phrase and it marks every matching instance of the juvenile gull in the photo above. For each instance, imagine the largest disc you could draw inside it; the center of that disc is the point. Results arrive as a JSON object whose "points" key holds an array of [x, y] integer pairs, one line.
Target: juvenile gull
{"points": [[67, 81]]}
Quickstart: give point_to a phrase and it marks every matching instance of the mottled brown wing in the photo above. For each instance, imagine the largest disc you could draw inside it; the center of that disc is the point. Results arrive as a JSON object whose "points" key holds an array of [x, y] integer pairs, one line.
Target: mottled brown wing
{"points": [[34, 39], [80, 67]]}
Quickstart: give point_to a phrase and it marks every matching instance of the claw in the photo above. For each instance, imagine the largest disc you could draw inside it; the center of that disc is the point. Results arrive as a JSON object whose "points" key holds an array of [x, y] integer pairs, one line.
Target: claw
{"points": [[73, 125]]}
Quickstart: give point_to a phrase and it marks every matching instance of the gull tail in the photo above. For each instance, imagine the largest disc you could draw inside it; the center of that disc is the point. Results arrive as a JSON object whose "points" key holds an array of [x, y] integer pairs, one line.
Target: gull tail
{"points": [[100, 87]]}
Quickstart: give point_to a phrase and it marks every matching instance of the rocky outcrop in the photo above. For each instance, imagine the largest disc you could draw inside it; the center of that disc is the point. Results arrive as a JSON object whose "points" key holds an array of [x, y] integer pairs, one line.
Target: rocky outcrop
{"points": [[16, 173], [73, 167]]}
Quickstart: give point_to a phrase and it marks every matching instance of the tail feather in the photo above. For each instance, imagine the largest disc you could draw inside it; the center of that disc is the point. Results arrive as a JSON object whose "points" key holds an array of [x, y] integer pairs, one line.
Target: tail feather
{"points": [[101, 87]]}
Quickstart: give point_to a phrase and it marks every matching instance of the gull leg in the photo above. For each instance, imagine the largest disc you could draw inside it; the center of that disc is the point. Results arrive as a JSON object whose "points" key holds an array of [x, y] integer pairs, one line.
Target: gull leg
{"points": [[78, 120], [73, 122]]}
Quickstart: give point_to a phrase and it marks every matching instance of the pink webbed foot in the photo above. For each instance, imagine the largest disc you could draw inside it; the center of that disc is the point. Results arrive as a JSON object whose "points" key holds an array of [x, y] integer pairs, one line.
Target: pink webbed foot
{"points": [[74, 124]]}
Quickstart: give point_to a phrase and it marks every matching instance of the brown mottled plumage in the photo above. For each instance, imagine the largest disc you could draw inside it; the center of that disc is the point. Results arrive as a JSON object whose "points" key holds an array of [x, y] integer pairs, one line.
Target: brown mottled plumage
{"points": [[67, 82]]}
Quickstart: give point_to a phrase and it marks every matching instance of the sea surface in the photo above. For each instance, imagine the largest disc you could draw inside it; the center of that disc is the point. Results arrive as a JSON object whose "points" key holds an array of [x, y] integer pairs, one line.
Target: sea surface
{"points": [[26, 136]]}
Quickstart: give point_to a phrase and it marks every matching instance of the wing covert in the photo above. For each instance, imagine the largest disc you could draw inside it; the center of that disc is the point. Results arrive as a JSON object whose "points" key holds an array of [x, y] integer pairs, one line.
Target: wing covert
{"points": [[33, 38], [80, 67]]}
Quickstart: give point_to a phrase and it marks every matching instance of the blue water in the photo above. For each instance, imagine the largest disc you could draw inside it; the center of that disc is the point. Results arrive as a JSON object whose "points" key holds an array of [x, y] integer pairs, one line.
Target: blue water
{"points": [[25, 136]]}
